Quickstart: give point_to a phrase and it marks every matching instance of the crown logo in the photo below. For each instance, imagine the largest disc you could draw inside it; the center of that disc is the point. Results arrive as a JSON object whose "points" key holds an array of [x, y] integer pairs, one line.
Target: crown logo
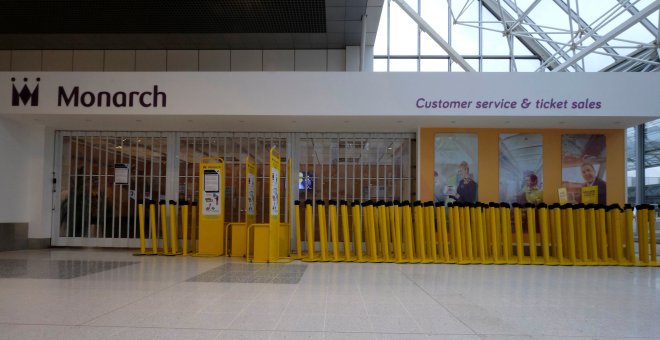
{"points": [[25, 95]]}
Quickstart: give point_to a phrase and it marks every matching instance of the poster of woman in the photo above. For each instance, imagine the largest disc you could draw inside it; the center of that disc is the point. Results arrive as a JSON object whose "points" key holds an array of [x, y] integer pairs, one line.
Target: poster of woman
{"points": [[521, 168], [583, 167], [455, 167]]}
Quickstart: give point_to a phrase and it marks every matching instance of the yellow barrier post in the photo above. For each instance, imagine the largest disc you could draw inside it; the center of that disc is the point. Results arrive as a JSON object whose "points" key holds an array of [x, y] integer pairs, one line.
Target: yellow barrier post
{"points": [[591, 233], [582, 234], [143, 247], [163, 227], [431, 237], [299, 254], [418, 218], [545, 239], [457, 231], [194, 227], [408, 232], [152, 227], [343, 210], [628, 229], [651, 227], [398, 234], [211, 207], [183, 205], [383, 227], [323, 229], [309, 228], [467, 231], [174, 238], [556, 225], [334, 230], [481, 234], [372, 241], [601, 233], [357, 231], [567, 214], [441, 222], [615, 216], [495, 232], [505, 222], [517, 222], [530, 210], [642, 235]]}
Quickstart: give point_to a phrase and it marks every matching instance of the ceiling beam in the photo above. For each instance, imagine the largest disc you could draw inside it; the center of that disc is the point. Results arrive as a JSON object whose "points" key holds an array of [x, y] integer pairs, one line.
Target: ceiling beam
{"points": [[424, 26], [639, 16], [645, 22], [583, 24]]}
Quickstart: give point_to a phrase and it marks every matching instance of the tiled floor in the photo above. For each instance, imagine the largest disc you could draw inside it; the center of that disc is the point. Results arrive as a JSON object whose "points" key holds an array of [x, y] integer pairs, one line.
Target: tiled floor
{"points": [[110, 294]]}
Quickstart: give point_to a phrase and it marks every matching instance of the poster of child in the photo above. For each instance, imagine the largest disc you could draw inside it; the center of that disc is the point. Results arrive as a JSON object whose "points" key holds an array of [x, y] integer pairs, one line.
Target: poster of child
{"points": [[521, 168]]}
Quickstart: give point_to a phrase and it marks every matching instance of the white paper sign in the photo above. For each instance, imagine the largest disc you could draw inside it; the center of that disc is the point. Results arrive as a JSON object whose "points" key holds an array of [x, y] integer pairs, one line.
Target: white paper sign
{"points": [[274, 192], [250, 194], [211, 203], [211, 181], [121, 173]]}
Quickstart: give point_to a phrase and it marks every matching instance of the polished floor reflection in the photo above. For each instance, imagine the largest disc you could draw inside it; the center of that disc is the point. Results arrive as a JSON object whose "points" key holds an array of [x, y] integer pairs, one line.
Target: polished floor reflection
{"points": [[114, 295]]}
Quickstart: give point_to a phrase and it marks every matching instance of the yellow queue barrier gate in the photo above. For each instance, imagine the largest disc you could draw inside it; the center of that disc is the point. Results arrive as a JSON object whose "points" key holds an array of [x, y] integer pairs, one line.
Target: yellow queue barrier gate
{"points": [[211, 207], [236, 232], [269, 242]]}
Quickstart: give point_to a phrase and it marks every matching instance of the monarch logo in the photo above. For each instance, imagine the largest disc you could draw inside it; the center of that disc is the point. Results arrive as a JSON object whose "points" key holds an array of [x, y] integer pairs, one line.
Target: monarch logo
{"points": [[25, 95]]}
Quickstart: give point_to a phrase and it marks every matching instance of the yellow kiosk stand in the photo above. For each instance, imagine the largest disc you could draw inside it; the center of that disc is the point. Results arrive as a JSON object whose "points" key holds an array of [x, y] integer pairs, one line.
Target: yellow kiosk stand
{"points": [[269, 242], [211, 207], [236, 233]]}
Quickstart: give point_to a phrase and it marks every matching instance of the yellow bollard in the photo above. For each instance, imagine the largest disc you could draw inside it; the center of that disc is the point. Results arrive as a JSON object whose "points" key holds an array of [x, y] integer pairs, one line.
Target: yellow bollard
{"points": [[309, 231], [398, 237], [334, 230], [174, 238], [299, 254], [628, 229], [431, 238], [651, 227], [152, 230], [457, 231], [372, 241], [615, 216], [357, 231], [505, 222], [545, 239], [481, 234], [517, 222], [194, 228], [642, 234], [383, 226], [184, 226], [601, 234], [343, 209], [143, 247], [496, 233], [323, 230], [418, 217], [592, 239], [408, 236], [581, 227], [556, 225], [567, 214], [467, 231], [163, 226], [443, 242], [530, 209]]}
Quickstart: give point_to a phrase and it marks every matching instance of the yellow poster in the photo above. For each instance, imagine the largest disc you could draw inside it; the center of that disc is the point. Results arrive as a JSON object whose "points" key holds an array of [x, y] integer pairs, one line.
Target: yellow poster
{"points": [[590, 195], [563, 196]]}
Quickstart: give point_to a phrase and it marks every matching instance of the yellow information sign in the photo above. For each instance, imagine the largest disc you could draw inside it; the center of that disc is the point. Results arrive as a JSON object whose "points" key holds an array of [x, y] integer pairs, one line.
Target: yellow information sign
{"points": [[250, 185], [274, 180], [563, 196], [590, 195], [211, 207]]}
